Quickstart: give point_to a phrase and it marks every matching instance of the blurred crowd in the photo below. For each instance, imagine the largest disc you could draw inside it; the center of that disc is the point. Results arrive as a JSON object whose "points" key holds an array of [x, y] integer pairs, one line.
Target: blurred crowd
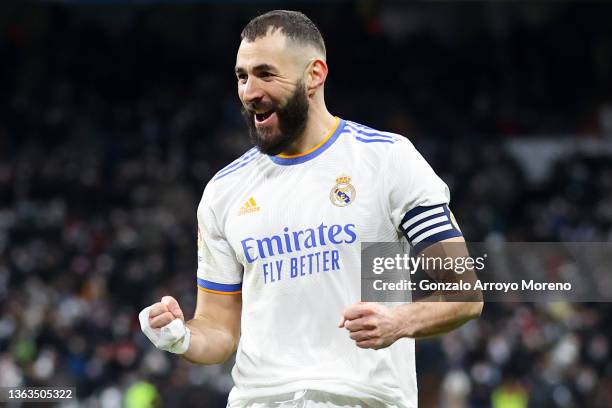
{"points": [[112, 120]]}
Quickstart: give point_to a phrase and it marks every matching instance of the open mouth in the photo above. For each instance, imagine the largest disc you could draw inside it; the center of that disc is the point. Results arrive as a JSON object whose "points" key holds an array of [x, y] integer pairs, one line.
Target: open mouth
{"points": [[262, 117]]}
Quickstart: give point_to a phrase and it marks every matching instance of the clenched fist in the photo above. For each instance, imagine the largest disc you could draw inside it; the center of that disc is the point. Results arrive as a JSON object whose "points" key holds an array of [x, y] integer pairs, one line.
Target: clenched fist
{"points": [[371, 325], [164, 324]]}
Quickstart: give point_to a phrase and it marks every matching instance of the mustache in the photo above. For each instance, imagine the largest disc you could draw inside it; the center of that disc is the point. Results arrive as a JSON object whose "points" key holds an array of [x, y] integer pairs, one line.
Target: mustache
{"points": [[252, 107]]}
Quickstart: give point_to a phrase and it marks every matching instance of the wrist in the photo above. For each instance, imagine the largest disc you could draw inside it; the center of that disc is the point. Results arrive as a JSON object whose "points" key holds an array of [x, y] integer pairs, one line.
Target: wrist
{"points": [[181, 346], [403, 321]]}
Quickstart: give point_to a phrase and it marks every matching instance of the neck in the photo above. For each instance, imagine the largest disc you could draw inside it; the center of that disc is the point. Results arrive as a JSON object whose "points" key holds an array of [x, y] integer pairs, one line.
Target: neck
{"points": [[318, 127]]}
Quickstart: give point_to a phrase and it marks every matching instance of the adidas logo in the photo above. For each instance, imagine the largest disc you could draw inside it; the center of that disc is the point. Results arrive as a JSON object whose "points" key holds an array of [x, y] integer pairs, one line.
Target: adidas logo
{"points": [[249, 207]]}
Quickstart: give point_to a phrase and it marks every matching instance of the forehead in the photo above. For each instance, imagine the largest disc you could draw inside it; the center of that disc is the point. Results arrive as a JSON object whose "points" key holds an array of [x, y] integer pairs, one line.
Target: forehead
{"points": [[273, 49]]}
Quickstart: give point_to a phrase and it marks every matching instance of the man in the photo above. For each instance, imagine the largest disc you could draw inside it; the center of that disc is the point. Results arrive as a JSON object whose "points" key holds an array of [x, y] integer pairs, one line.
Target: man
{"points": [[279, 243]]}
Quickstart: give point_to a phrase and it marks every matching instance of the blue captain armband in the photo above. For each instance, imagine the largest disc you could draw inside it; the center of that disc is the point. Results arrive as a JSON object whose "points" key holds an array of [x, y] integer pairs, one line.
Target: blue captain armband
{"points": [[426, 225]]}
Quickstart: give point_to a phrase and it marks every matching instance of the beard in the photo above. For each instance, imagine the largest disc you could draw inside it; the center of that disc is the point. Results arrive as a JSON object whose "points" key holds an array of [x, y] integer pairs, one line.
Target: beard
{"points": [[292, 118]]}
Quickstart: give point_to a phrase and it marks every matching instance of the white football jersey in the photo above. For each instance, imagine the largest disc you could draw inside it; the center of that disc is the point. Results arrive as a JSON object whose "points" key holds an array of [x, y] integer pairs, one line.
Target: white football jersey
{"points": [[285, 231]]}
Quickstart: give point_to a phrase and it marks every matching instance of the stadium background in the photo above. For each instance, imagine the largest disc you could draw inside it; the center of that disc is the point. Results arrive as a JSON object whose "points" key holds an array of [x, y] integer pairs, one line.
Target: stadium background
{"points": [[114, 116]]}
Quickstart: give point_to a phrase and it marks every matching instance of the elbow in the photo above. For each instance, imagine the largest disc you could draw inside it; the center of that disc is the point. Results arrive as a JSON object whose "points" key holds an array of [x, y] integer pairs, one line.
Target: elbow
{"points": [[218, 360], [473, 305], [231, 342], [474, 309]]}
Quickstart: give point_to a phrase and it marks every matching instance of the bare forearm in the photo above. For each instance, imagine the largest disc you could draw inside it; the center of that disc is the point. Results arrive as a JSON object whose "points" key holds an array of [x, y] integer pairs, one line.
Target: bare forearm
{"points": [[426, 319], [210, 344]]}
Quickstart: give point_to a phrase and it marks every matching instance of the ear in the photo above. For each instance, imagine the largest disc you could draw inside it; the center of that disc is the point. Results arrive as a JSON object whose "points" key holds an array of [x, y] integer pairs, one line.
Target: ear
{"points": [[317, 73]]}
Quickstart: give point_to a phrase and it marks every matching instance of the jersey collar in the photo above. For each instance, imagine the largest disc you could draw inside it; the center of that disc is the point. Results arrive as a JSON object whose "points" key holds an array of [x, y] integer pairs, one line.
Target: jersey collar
{"points": [[287, 160]]}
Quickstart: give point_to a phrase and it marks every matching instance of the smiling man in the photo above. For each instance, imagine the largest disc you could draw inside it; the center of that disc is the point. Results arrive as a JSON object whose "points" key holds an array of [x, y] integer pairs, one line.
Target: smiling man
{"points": [[280, 83], [279, 233]]}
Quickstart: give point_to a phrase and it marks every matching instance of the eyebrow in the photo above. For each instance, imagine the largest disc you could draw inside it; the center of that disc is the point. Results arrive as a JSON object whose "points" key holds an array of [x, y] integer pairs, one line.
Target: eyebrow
{"points": [[257, 68]]}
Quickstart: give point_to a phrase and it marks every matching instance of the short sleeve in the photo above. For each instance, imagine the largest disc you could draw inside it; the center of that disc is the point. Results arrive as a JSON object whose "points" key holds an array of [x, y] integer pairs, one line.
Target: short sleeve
{"points": [[418, 198], [218, 269]]}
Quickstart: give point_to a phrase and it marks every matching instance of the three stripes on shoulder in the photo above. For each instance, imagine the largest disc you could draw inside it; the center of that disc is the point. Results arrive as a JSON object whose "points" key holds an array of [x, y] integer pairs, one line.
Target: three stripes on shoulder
{"points": [[425, 225]]}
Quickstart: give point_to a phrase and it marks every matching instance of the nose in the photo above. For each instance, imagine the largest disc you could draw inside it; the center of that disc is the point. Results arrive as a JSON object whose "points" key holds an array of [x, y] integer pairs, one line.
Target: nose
{"points": [[252, 91]]}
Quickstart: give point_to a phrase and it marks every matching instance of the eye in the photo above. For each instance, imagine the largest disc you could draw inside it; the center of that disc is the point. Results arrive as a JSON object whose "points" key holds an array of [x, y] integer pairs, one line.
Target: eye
{"points": [[265, 74], [241, 77]]}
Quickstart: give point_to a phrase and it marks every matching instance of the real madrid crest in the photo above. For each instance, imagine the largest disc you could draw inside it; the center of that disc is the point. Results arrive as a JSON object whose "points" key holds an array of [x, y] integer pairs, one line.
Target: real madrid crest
{"points": [[343, 193]]}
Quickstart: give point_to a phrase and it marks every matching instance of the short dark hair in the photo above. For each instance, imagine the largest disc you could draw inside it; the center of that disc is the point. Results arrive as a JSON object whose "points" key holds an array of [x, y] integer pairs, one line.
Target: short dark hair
{"points": [[295, 25]]}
